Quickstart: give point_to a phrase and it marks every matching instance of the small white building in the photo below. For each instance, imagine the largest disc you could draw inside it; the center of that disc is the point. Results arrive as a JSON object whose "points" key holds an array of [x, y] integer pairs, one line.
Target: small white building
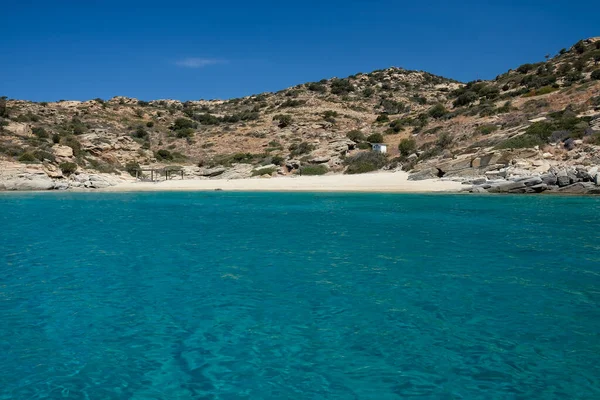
{"points": [[379, 147]]}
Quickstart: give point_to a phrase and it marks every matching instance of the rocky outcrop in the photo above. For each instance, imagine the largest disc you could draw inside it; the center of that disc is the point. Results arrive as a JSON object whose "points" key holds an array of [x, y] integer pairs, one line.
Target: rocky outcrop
{"points": [[575, 180], [15, 176]]}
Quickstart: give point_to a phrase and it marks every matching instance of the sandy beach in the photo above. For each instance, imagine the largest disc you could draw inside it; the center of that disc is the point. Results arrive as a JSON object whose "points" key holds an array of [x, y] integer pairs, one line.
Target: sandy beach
{"points": [[391, 182]]}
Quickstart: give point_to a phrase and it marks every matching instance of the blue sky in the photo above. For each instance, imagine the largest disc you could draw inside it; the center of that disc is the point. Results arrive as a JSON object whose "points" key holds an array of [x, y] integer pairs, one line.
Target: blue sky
{"points": [[190, 50]]}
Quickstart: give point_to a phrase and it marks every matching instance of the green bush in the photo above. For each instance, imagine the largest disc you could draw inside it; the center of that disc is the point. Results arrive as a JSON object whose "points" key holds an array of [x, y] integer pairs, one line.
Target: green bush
{"points": [[163, 154], [292, 103], [68, 168], [540, 91], [368, 92], [489, 92], [277, 160], [73, 143], [465, 99], [316, 87], [207, 119], [132, 167], [341, 86], [150, 124], [579, 47], [525, 68], [398, 125], [40, 132], [365, 161], [140, 132], [184, 133], [364, 146], [521, 141], [594, 139], [375, 138], [183, 123], [283, 120], [437, 111], [263, 171], [3, 107], [313, 170], [44, 155], [77, 126], [56, 138], [444, 140], [27, 158], [356, 136], [330, 114], [382, 118], [407, 146], [487, 129], [297, 149], [536, 134], [595, 74]]}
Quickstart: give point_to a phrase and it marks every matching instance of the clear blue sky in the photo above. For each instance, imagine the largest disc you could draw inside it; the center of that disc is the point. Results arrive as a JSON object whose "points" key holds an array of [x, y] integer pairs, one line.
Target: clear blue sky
{"points": [[188, 50]]}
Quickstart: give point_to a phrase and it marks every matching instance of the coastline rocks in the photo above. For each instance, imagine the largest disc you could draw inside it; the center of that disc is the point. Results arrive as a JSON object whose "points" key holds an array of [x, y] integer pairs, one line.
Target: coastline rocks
{"points": [[210, 172], [549, 179], [580, 188], [429, 173], [507, 187], [21, 177], [562, 178]]}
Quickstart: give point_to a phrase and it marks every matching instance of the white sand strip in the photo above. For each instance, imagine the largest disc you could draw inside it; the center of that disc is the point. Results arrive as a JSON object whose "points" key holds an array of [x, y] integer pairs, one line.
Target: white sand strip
{"points": [[394, 182]]}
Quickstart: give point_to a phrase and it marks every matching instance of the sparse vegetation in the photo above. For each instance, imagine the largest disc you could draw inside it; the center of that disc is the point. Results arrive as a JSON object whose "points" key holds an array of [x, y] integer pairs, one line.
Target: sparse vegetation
{"points": [[439, 114], [297, 149], [366, 161], [356, 136], [284, 120], [487, 129], [68, 168], [264, 171], [163, 155], [40, 132], [407, 146], [319, 169], [375, 138]]}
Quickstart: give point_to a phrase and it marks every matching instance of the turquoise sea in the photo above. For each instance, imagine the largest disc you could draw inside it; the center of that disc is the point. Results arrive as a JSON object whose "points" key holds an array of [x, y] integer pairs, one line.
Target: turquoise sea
{"points": [[299, 296]]}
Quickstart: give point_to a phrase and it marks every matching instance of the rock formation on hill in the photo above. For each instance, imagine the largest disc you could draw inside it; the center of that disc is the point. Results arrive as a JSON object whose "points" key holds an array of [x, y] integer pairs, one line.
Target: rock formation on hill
{"points": [[537, 121]]}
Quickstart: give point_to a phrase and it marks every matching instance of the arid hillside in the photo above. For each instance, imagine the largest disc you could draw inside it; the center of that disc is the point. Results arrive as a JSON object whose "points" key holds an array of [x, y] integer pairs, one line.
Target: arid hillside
{"points": [[537, 116]]}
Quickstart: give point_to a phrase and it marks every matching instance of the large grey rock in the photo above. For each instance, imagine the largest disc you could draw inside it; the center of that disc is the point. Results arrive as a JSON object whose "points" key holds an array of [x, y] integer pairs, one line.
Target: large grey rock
{"points": [[583, 175], [578, 188], [542, 187], [61, 185], [240, 171], [478, 181], [28, 181], [428, 173], [320, 159], [212, 171], [478, 189], [532, 181], [508, 187], [562, 178], [549, 179]]}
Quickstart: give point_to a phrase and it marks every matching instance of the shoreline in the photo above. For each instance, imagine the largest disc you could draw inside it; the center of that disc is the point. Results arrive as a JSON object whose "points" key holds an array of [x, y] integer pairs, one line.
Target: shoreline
{"points": [[377, 182]]}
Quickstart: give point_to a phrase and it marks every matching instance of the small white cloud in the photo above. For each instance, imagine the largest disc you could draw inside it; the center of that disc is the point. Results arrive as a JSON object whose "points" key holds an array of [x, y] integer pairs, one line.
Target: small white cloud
{"points": [[194, 62]]}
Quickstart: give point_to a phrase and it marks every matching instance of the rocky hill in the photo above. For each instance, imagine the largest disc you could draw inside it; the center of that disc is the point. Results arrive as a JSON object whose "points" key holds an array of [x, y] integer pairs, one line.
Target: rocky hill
{"points": [[541, 118]]}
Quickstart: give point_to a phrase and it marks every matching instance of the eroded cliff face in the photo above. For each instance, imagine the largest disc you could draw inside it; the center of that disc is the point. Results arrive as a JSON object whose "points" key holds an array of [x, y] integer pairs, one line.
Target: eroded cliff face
{"points": [[537, 120]]}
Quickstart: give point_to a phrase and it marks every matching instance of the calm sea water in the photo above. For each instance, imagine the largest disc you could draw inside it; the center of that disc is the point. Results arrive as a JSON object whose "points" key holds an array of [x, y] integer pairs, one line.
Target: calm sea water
{"points": [[299, 296]]}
